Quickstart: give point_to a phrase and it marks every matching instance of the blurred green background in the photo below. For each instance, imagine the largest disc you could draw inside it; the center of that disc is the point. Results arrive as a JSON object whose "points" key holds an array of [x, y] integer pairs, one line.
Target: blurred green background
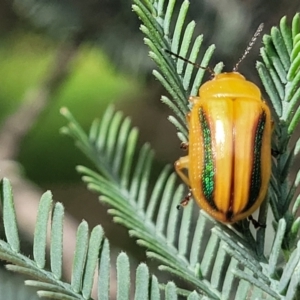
{"points": [[110, 65], [92, 84]]}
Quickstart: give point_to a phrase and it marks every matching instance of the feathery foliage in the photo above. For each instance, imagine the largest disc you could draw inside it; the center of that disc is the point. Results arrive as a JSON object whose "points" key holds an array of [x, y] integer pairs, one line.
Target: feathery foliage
{"points": [[176, 78], [279, 73], [92, 253], [49, 282], [218, 262]]}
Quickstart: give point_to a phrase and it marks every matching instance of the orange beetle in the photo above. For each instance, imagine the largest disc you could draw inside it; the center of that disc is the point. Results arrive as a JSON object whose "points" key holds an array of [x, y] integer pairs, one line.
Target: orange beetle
{"points": [[229, 159], [229, 149]]}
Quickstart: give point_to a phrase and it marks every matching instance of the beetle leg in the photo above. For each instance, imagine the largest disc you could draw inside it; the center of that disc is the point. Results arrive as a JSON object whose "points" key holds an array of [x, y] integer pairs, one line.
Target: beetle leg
{"points": [[188, 117], [184, 146], [255, 223], [182, 163], [275, 153], [272, 125], [193, 99], [185, 201]]}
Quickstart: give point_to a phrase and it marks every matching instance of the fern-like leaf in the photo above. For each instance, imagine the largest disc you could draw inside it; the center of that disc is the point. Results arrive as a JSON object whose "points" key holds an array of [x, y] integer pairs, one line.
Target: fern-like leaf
{"points": [[214, 261], [92, 252], [280, 75], [174, 75], [219, 259], [46, 281]]}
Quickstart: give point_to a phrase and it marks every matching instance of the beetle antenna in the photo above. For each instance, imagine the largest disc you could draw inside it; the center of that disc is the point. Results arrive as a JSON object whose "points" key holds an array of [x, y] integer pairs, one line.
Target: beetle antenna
{"points": [[252, 42], [212, 73]]}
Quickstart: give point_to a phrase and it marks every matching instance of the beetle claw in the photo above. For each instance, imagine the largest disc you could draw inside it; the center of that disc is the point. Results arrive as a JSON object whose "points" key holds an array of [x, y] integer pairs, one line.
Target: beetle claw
{"points": [[184, 146], [185, 201], [255, 223], [275, 153]]}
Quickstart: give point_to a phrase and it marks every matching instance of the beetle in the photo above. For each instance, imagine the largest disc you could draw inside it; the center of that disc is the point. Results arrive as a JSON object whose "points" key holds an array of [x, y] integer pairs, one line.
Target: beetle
{"points": [[229, 147]]}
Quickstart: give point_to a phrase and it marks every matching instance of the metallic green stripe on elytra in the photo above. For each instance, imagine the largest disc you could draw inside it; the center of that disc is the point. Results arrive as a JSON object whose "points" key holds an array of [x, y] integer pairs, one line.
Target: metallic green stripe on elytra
{"points": [[208, 171], [256, 179]]}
